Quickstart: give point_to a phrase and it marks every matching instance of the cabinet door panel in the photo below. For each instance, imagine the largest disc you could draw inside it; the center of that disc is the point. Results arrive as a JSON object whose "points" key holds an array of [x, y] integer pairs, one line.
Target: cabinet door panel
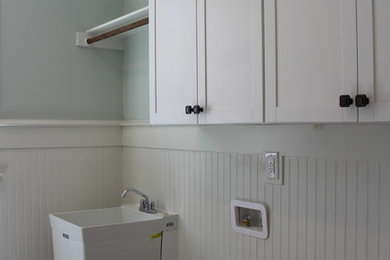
{"points": [[310, 60], [173, 61], [230, 61], [374, 58]]}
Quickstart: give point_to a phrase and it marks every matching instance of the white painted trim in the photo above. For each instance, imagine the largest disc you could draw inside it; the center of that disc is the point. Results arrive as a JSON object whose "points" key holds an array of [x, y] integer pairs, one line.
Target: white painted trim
{"points": [[135, 123], [17, 122], [59, 136], [40, 123]]}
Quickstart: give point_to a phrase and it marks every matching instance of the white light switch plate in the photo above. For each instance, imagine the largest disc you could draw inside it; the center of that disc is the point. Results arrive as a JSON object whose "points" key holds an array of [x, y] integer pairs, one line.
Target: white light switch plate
{"points": [[273, 173]]}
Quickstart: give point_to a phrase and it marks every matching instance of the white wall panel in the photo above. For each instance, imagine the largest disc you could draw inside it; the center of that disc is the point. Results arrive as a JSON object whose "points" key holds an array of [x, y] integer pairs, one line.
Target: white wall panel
{"points": [[39, 181], [326, 209]]}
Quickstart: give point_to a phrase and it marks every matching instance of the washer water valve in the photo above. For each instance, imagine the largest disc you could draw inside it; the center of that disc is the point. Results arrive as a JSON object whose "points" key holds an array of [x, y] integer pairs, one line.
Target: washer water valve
{"points": [[249, 218], [246, 222]]}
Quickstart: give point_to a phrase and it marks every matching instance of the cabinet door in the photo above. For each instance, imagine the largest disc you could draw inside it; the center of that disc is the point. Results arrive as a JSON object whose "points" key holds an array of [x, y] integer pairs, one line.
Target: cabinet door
{"points": [[310, 60], [173, 61], [230, 61], [374, 58]]}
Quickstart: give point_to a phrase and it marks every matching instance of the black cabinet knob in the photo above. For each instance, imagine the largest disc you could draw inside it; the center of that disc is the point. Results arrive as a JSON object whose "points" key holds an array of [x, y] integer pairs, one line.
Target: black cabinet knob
{"points": [[189, 110], [345, 101], [197, 109], [361, 100]]}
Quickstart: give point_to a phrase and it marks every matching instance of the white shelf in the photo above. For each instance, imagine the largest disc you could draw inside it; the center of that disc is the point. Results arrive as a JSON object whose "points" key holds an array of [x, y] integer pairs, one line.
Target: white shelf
{"points": [[114, 43]]}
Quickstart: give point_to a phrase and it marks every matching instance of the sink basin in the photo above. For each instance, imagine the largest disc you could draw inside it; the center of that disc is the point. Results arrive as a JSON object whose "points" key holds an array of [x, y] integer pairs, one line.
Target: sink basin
{"points": [[111, 233], [103, 217]]}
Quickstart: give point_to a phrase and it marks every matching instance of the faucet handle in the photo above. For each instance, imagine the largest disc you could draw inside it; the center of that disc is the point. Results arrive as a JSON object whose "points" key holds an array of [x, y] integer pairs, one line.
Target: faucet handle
{"points": [[146, 206]]}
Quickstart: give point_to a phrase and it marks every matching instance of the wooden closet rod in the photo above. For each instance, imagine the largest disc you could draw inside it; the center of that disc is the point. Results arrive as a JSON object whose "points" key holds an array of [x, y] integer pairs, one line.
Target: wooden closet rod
{"points": [[118, 31]]}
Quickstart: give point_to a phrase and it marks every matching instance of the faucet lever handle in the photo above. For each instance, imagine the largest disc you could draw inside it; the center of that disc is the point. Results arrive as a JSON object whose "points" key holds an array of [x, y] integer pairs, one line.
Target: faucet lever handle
{"points": [[142, 204]]}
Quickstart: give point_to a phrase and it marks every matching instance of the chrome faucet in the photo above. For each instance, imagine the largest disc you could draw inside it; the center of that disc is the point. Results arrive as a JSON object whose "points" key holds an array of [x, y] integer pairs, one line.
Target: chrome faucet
{"points": [[145, 205]]}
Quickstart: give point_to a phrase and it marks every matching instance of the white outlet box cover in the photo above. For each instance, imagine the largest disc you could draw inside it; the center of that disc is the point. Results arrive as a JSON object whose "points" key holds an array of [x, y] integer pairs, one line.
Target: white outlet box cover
{"points": [[273, 171], [250, 231]]}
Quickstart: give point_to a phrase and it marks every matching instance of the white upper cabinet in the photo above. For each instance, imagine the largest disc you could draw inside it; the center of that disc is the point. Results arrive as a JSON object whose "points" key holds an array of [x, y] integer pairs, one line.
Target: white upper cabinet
{"points": [[173, 60], [230, 61], [310, 60], [374, 58], [206, 53]]}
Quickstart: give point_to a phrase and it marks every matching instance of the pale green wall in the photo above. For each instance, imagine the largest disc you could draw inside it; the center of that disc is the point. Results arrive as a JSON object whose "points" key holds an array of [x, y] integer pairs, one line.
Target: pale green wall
{"points": [[136, 69], [131, 5], [357, 142], [43, 75], [136, 76]]}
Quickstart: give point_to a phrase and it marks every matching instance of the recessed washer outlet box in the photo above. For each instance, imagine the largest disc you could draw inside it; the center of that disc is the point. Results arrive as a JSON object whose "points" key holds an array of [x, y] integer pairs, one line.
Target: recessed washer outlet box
{"points": [[249, 218]]}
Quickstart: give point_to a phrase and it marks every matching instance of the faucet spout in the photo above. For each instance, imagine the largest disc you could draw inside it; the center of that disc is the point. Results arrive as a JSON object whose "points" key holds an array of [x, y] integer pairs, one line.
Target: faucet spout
{"points": [[124, 193]]}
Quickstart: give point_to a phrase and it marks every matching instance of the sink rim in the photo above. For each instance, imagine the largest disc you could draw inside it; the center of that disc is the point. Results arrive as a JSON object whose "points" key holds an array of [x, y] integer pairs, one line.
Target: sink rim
{"points": [[61, 216]]}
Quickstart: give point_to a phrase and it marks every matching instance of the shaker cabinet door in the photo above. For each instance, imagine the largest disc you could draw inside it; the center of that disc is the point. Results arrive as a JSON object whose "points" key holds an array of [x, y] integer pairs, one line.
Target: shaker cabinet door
{"points": [[374, 59], [310, 60], [173, 61], [230, 61]]}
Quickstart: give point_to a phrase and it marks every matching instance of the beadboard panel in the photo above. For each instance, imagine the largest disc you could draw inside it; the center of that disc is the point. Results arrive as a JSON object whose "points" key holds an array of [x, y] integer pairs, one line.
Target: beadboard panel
{"points": [[39, 181], [326, 209]]}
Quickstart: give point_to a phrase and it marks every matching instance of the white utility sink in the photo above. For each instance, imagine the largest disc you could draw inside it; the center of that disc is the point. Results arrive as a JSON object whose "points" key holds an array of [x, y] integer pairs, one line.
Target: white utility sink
{"points": [[111, 233]]}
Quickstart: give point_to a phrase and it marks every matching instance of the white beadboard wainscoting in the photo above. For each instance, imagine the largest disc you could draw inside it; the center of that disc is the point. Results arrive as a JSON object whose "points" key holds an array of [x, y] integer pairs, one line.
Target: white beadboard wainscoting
{"points": [[326, 209], [69, 169], [40, 181]]}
